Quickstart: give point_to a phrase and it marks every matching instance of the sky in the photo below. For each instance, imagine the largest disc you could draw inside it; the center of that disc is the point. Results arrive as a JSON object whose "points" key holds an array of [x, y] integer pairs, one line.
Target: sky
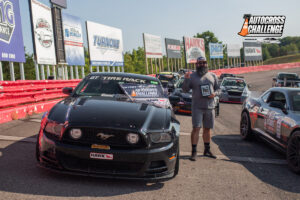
{"points": [[171, 18]]}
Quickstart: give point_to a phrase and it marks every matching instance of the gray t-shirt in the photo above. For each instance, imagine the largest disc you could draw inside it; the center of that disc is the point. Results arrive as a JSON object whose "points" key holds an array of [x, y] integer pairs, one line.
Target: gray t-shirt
{"points": [[199, 86]]}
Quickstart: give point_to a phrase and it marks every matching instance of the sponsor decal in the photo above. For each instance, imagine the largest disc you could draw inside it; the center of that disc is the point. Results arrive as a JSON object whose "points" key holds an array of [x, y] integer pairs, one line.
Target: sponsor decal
{"points": [[262, 26], [253, 51], [278, 128], [101, 156], [98, 146], [44, 32], [7, 21]]}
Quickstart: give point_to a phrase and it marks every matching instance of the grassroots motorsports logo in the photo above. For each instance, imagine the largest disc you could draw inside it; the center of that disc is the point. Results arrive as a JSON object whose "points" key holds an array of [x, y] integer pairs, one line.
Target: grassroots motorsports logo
{"points": [[7, 21], [262, 26], [44, 32]]}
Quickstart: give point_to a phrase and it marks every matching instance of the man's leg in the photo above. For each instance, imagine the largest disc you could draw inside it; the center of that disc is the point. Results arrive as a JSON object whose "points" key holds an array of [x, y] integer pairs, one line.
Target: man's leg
{"points": [[208, 123], [194, 142]]}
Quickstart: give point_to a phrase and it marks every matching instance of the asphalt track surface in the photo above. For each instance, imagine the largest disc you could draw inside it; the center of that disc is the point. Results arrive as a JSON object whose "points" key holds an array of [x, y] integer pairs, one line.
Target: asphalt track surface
{"points": [[243, 170]]}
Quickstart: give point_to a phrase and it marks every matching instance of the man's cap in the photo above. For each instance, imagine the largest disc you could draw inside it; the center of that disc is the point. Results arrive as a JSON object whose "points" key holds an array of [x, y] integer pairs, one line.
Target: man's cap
{"points": [[201, 59]]}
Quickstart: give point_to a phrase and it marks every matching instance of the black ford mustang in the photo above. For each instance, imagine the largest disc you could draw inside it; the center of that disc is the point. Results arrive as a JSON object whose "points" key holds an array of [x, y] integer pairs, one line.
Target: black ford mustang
{"points": [[112, 125]]}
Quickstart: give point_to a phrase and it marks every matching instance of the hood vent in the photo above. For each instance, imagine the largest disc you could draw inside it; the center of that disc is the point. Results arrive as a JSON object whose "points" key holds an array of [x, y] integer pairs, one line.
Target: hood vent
{"points": [[143, 107]]}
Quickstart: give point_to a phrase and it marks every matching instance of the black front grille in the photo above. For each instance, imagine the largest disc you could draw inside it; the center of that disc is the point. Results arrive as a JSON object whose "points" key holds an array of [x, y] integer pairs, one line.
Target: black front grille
{"points": [[99, 166], [234, 93], [234, 99], [117, 138]]}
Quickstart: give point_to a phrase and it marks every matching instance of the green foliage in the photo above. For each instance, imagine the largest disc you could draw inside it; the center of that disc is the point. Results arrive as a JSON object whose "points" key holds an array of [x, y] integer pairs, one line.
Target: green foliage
{"points": [[283, 59]]}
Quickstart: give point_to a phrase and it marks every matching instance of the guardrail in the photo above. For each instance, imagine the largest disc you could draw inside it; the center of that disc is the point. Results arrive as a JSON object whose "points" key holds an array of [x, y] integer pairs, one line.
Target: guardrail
{"points": [[19, 99]]}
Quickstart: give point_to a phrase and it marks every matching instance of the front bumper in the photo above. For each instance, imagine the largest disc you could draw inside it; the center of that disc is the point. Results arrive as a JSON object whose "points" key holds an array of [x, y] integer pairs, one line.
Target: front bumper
{"points": [[145, 164], [232, 99], [183, 107]]}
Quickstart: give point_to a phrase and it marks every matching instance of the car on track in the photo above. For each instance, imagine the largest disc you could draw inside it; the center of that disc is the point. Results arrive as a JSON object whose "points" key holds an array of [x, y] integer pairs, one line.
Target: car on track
{"points": [[114, 125], [168, 79], [284, 79], [275, 117], [234, 90], [182, 102]]}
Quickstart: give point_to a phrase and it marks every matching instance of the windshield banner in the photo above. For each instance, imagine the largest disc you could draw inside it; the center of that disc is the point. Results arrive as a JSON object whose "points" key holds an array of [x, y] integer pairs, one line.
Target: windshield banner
{"points": [[142, 90]]}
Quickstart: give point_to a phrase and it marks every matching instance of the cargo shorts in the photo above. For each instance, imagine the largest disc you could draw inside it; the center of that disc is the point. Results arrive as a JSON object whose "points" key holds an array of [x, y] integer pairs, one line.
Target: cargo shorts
{"points": [[203, 118]]}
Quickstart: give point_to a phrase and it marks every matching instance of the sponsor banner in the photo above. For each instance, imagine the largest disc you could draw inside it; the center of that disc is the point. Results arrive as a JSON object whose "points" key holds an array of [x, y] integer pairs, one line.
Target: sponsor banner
{"points": [[194, 48], [173, 48], [62, 3], [252, 51], [215, 50], [11, 39], [152, 44], [233, 50], [43, 33], [105, 45], [73, 40]]}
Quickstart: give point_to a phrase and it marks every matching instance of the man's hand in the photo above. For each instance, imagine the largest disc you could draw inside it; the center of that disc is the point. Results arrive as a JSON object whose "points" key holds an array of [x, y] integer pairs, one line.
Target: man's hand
{"points": [[212, 96], [187, 75]]}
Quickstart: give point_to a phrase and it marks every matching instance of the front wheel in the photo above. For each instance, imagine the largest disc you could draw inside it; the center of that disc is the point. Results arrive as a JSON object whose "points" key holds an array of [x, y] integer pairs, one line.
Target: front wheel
{"points": [[245, 127], [293, 152]]}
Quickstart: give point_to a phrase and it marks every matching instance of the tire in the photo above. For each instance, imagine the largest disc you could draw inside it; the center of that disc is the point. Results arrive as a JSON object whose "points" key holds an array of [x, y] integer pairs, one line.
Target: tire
{"points": [[245, 127], [293, 152], [37, 150], [176, 170]]}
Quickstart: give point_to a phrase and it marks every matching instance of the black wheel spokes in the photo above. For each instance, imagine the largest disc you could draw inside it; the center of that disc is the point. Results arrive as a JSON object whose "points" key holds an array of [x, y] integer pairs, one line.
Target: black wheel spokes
{"points": [[244, 126], [293, 152]]}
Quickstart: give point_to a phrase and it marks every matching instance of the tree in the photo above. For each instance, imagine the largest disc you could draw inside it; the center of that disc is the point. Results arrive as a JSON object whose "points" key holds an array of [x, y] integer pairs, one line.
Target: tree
{"points": [[209, 37]]}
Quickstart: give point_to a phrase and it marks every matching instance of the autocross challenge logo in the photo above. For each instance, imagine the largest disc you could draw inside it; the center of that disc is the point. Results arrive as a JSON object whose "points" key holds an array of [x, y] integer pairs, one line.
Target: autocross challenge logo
{"points": [[262, 26], [7, 21]]}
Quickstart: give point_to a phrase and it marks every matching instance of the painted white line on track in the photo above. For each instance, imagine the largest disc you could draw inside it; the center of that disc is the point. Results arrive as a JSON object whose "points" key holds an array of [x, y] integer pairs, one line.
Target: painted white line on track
{"points": [[16, 138], [243, 159]]}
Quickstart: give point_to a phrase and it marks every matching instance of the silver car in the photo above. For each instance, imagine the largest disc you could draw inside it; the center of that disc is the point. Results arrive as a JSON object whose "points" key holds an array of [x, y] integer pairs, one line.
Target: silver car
{"points": [[234, 90]]}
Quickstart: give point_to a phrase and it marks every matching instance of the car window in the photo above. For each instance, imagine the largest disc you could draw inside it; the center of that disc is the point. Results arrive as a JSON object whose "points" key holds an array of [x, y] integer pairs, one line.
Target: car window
{"points": [[265, 97], [295, 100], [236, 82], [277, 96]]}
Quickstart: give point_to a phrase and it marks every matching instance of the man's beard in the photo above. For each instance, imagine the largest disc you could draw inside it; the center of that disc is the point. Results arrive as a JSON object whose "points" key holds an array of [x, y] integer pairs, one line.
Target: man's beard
{"points": [[201, 70]]}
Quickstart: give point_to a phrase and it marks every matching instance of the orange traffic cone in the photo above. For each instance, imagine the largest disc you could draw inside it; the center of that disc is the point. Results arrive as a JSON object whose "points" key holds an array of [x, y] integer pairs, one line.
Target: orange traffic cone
{"points": [[244, 30], [133, 94]]}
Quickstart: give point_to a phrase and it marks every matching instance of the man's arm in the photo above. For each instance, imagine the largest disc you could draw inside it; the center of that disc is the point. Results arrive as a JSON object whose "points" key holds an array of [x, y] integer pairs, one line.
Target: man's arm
{"points": [[216, 86], [187, 83]]}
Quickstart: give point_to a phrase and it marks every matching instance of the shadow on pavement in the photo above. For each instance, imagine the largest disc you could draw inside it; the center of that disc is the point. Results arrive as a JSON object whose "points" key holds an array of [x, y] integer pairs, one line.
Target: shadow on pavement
{"points": [[19, 174], [276, 175]]}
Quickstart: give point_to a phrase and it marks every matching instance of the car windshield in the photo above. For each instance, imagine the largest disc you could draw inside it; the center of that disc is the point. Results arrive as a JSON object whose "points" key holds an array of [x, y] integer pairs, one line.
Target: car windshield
{"points": [[236, 83], [168, 78], [295, 100], [99, 85], [287, 76]]}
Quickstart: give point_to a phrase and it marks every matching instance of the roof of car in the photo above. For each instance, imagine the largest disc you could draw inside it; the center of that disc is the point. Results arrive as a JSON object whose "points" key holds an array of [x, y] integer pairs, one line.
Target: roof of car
{"points": [[138, 76], [233, 78], [285, 89], [287, 73]]}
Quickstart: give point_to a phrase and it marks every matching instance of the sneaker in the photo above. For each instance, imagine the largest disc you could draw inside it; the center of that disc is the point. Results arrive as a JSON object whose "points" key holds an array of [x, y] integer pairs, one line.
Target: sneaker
{"points": [[208, 153], [193, 156]]}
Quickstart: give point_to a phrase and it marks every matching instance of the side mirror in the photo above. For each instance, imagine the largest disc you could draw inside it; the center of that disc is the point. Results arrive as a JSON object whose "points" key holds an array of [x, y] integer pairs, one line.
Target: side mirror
{"points": [[67, 90], [279, 105]]}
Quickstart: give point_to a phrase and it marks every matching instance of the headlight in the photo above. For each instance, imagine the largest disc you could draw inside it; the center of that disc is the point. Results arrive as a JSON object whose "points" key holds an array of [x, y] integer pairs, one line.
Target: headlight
{"points": [[54, 128], [75, 133], [133, 138], [245, 94], [160, 137]]}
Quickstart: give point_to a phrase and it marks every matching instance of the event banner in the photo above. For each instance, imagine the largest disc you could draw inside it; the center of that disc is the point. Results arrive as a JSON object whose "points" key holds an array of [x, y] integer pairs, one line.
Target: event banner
{"points": [[73, 40], [11, 39], [152, 44], [43, 33], [233, 50], [105, 45], [252, 51], [215, 50], [173, 48], [194, 48]]}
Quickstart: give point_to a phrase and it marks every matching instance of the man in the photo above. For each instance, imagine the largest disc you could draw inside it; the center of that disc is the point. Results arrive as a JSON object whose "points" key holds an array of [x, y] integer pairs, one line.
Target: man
{"points": [[205, 87]]}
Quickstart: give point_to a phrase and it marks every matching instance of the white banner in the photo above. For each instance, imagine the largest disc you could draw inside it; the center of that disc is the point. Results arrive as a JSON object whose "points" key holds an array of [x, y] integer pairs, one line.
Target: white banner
{"points": [[105, 45], [194, 48], [233, 50], [152, 44], [43, 33]]}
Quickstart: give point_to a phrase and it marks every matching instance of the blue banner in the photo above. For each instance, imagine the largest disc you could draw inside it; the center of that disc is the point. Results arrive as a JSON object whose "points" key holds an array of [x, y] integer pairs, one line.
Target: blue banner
{"points": [[11, 38], [73, 40], [215, 50]]}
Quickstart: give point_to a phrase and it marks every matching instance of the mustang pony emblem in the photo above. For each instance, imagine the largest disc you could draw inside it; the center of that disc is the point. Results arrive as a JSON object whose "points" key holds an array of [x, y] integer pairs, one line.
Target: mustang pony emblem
{"points": [[103, 136]]}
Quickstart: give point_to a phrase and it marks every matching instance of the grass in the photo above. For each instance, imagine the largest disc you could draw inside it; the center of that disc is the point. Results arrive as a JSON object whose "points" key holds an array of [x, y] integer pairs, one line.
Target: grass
{"points": [[283, 59]]}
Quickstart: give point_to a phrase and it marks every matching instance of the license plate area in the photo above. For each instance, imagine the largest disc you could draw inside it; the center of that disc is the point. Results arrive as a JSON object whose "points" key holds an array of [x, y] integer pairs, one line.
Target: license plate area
{"points": [[101, 156]]}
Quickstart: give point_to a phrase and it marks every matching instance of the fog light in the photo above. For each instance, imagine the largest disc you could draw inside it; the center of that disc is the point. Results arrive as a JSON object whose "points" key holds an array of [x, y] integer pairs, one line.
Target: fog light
{"points": [[76, 133], [132, 138]]}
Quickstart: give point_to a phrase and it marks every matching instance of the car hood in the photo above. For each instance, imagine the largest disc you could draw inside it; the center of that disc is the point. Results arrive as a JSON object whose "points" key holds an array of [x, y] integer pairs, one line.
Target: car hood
{"points": [[234, 88], [109, 113]]}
